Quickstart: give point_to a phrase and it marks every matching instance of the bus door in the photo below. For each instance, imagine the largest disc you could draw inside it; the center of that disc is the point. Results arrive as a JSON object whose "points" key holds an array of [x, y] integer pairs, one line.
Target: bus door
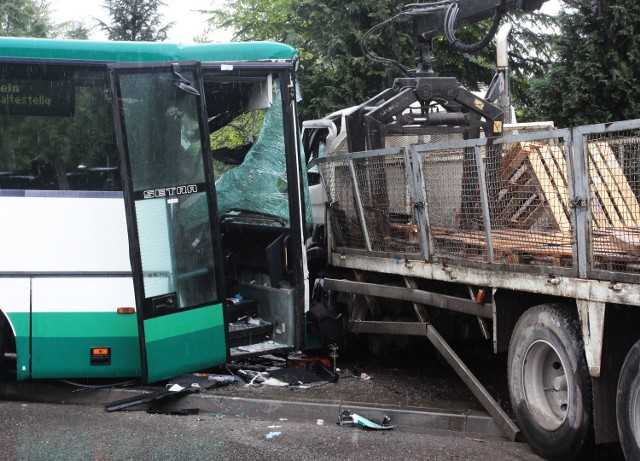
{"points": [[165, 161]]}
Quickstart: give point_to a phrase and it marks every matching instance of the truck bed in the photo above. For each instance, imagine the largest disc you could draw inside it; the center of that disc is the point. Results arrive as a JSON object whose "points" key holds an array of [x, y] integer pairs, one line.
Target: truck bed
{"points": [[562, 202]]}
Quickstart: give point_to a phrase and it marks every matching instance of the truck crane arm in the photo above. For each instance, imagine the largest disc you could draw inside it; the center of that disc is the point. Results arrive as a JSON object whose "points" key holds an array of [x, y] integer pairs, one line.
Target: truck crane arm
{"points": [[406, 106], [432, 18]]}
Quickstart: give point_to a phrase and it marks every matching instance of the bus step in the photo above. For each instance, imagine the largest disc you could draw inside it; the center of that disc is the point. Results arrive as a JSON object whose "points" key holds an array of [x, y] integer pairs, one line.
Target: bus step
{"points": [[253, 350], [249, 331], [236, 310]]}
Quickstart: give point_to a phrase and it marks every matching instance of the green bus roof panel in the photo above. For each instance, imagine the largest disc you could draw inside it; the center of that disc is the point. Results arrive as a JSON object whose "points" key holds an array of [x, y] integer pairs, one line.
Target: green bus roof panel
{"points": [[142, 51]]}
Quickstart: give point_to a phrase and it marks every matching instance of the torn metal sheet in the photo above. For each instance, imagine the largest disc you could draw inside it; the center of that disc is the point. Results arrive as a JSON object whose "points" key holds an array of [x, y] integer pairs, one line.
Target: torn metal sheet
{"points": [[146, 398], [178, 386]]}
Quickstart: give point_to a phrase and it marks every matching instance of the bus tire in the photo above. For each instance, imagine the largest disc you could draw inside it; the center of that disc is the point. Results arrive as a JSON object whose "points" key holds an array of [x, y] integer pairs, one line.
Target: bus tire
{"points": [[628, 404], [549, 382]]}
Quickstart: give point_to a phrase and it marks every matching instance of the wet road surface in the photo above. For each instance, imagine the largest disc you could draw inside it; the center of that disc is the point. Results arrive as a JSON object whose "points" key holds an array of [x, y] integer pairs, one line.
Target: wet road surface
{"points": [[33, 431]]}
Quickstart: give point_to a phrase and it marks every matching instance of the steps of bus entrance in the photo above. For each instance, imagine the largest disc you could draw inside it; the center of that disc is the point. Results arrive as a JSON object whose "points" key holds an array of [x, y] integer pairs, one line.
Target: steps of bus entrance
{"points": [[245, 327]]}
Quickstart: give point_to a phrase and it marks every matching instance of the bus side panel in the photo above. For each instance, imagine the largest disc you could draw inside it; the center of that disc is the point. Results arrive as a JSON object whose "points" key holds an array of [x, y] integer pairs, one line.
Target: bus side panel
{"points": [[41, 232], [73, 315], [14, 302]]}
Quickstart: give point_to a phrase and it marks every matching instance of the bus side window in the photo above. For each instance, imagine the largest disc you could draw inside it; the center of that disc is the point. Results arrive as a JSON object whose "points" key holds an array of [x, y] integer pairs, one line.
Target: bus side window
{"points": [[68, 146], [49, 174]]}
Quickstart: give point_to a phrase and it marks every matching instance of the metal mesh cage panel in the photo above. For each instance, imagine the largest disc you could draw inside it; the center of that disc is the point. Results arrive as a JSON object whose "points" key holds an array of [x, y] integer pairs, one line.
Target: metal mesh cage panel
{"points": [[529, 203], [519, 208], [370, 204], [345, 220], [614, 188], [506, 202]]}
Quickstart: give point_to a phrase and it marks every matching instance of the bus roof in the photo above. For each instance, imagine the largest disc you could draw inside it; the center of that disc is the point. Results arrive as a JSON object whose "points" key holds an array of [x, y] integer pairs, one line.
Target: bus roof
{"points": [[112, 51]]}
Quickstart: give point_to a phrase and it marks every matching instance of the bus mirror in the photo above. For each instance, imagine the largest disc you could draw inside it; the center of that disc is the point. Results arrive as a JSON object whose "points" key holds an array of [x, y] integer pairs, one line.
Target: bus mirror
{"points": [[181, 82]]}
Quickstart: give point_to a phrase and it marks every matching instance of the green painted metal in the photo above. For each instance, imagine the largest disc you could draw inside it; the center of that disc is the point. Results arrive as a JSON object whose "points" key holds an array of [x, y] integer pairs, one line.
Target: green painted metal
{"points": [[78, 324], [143, 51], [69, 357], [61, 343], [176, 345]]}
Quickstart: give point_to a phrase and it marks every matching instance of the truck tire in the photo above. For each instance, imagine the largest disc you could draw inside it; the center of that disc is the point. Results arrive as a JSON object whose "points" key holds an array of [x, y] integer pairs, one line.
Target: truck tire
{"points": [[628, 404], [549, 382]]}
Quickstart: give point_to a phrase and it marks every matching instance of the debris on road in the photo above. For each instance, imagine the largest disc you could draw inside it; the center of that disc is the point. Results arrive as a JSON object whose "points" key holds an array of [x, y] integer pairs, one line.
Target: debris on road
{"points": [[272, 435], [349, 419]]}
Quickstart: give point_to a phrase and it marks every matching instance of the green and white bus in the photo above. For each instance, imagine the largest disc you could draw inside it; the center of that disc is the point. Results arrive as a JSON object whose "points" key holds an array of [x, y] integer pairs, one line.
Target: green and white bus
{"points": [[122, 252]]}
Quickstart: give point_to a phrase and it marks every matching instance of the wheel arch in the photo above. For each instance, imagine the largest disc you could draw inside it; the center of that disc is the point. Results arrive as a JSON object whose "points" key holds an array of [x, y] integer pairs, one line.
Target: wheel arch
{"points": [[509, 307], [7, 338], [620, 334]]}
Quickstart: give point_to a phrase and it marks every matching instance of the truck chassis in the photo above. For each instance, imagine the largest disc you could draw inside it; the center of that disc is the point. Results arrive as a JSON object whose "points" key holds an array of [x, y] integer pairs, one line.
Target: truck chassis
{"points": [[536, 234]]}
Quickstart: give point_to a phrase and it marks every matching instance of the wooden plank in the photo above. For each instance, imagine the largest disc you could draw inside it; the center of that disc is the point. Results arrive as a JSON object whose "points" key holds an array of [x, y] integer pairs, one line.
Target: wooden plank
{"points": [[609, 187], [554, 159], [511, 206], [512, 160], [550, 192], [602, 194], [514, 246], [627, 201]]}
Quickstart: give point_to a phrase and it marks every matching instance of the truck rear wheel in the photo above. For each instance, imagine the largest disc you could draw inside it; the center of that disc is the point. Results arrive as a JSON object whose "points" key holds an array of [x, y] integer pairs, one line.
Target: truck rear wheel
{"points": [[549, 382], [628, 404]]}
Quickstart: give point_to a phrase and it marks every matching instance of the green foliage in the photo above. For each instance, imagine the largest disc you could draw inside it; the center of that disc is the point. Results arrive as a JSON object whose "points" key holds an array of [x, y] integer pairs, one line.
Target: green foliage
{"points": [[24, 18], [595, 76], [242, 131], [244, 16], [71, 29], [135, 20], [334, 70]]}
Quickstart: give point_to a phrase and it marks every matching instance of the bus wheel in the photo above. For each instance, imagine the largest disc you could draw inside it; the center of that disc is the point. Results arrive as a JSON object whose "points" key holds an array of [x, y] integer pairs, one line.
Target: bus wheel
{"points": [[549, 382], [628, 404]]}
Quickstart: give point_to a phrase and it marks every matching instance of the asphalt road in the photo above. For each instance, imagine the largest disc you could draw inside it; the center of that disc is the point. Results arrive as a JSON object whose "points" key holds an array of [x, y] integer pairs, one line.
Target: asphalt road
{"points": [[34, 431]]}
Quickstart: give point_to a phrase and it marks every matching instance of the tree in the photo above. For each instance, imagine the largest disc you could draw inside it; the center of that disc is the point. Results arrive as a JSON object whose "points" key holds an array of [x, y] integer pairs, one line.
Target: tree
{"points": [[335, 71], [135, 20], [72, 30], [24, 18], [594, 78]]}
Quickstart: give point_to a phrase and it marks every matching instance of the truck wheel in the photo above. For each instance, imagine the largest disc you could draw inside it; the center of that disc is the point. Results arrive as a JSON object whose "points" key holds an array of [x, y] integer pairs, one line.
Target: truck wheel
{"points": [[549, 382], [628, 404]]}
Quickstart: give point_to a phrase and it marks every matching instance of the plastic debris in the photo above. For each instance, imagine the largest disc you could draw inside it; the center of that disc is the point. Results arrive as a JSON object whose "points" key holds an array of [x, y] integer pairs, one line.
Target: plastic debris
{"points": [[236, 299], [272, 435], [346, 418], [260, 377]]}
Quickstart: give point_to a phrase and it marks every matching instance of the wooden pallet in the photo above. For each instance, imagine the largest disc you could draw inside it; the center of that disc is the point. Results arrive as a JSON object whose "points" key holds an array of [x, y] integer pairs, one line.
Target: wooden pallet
{"points": [[534, 182], [555, 248], [535, 175], [615, 204]]}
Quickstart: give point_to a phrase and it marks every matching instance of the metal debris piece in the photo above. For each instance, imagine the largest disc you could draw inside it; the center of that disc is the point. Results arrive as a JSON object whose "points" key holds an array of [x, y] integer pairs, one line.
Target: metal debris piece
{"points": [[349, 419]]}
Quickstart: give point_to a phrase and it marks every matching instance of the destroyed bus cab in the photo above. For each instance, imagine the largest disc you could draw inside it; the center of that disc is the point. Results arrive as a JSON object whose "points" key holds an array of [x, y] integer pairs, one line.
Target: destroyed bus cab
{"points": [[125, 252]]}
